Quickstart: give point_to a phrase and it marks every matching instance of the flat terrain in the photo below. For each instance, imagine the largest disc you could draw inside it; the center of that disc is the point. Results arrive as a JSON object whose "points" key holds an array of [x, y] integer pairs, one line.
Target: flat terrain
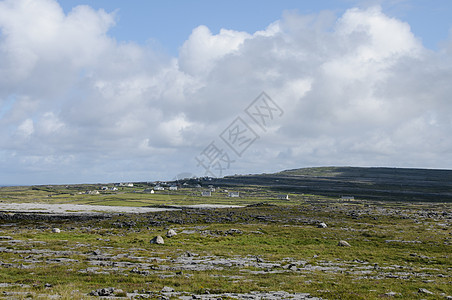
{"points": [[397, 250]]}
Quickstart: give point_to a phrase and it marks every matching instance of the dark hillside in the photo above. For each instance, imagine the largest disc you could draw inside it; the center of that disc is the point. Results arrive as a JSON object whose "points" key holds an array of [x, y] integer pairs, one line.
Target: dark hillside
{"points": [[365, 183]]}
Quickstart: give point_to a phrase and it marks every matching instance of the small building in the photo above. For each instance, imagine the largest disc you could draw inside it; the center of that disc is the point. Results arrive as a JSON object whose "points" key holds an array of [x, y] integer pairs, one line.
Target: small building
{"points": [[159, 188], [347, 198], [113, 189], [92, 193], [173, 188], [283, 197], [234, 194], [148, 191], [206, 193]]}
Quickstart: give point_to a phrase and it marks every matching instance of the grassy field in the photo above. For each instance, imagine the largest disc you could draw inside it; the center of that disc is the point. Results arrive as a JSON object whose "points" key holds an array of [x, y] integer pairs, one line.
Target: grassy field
{"points": [[396, 248], [135, 196]]}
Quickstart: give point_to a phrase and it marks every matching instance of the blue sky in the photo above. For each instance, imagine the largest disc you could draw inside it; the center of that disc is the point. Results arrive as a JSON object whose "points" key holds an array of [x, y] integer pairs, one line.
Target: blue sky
{"points": [[109, 91], [167, 24]]}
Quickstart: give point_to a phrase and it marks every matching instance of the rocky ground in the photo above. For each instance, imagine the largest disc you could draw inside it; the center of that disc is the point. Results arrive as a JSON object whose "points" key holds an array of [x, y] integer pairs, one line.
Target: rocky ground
{"points": [[356, 250]]}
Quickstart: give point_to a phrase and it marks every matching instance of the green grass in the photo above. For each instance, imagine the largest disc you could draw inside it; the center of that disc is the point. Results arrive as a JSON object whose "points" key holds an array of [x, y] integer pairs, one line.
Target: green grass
{"points": [[290, 233], [135, 197]]}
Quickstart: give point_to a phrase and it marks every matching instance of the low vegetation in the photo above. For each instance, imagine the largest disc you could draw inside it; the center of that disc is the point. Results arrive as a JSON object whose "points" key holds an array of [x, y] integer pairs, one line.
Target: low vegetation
{"points": [[397, 250], [269, 247]]}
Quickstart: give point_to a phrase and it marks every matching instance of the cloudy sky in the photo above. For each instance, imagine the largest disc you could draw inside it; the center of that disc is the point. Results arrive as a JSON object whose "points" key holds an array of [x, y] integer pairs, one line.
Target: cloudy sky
{"points": [[108, 91]]}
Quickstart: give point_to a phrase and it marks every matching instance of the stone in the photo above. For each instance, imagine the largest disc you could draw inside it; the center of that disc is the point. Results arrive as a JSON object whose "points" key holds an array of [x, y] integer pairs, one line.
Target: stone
{"points": [[322, 225], [424, 291], [343, 243], [233, 231], [167, 289], [56, 230], [103, 292], [171, 233], [157, 240]]}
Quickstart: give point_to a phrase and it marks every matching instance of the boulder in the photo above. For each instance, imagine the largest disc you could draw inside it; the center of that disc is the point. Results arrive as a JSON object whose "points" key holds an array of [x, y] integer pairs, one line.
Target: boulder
{"points": [[322, 225], [171, 233], [157, 240], [424, 291], [343, 244], [97, 252], [103, 292], [56, 230], [167, 289]]}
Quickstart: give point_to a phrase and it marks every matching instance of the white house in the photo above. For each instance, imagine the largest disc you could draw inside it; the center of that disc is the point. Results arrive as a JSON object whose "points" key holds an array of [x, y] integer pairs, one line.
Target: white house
{"points": [[159, 188], [283, 197], [234, 194], [173, 188], [92, 192]]}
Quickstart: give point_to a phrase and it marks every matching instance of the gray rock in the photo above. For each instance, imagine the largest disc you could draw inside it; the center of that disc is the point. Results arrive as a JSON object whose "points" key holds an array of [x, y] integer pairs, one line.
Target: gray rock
{"points": [[233, 231], [171, 233], [103, 292], [141, 272], [56, 230], [157, 240], [189, 254], [322, 225], [424, 291], [343, 243], [167, 289]]}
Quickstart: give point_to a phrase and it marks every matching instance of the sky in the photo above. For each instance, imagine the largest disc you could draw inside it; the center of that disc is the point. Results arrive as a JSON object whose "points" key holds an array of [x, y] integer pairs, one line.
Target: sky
{"points": [[118, 91]]}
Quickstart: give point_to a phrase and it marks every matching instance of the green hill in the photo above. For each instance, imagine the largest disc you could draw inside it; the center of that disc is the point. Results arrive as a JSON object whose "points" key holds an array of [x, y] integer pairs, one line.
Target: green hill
{"points": [[396, 184]]}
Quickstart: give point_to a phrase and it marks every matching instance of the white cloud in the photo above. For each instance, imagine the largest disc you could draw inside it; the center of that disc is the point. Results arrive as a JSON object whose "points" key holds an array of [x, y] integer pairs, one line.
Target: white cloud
{"points": [[26, 128], [42, 49], [202, 49], [78, 106]]}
